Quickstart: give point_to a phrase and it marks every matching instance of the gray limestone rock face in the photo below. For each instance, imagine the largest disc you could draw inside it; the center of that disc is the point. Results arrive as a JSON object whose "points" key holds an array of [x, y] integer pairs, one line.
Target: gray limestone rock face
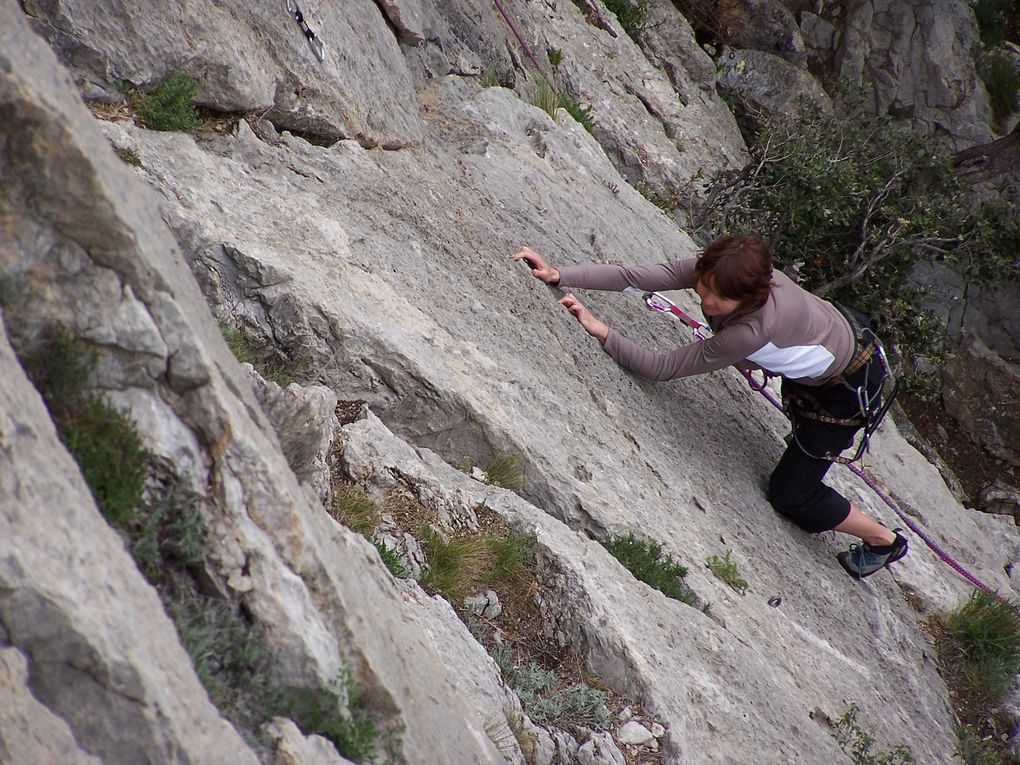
{"points": [[93, 656], [86, 244], [982, 393], [918, 56], [766, 84], [251, 58], [762, 25], [29, 732]]}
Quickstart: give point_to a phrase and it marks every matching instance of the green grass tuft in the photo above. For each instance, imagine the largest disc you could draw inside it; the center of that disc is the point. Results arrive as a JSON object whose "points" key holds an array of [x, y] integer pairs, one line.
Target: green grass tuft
{"points": [[505, 471], [273, 365], [353, 508], [460, 566], [545, 98], [726, 571], [649, 564], [982, 645], [168, 105]]}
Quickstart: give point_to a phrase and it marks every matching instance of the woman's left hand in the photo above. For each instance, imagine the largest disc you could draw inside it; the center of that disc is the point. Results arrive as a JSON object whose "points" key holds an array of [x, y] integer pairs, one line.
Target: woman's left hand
{"points": [[593, 326]]}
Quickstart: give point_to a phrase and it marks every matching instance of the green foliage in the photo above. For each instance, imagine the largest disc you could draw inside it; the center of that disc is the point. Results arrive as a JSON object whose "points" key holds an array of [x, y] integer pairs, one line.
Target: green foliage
{"points": [[168, 105], [353, 508], [548, 100], [491, 76], [545, 699], [649, 564], [231, 657], [850, 203], [333, 713], [110, 454], [171, 533], [393, 561], [130, 156], [545, 98], [992, 17], [270, 363], [632, 15], [506, 471], [1002, 80], [982, 644], [459, 566], [726, 571], [975, 750], [581, 114], [858, 743], [555, 57]]}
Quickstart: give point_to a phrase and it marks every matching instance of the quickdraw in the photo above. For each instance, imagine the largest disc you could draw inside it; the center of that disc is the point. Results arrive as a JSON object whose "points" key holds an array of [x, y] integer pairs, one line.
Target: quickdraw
{"points": [[313, 41], [662, 304]]}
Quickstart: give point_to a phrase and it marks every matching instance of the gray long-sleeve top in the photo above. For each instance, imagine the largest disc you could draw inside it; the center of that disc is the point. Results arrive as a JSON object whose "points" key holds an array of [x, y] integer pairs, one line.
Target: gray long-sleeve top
{"points": [[795, 334]]}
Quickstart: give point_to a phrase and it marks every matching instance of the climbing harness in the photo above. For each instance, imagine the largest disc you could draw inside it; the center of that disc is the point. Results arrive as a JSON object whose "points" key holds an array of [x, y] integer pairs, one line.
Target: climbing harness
{"points": [[313, 41], [799, 401], [662, 304]]}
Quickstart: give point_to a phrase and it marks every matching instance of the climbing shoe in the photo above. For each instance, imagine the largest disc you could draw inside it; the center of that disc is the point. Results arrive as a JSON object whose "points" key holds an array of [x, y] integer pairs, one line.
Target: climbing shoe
{"points": [[863, 560]]}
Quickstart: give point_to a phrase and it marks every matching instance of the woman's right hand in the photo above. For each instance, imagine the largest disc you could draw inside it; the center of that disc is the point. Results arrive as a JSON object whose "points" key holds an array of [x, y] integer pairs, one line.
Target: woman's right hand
{"points": [[539, 268]]}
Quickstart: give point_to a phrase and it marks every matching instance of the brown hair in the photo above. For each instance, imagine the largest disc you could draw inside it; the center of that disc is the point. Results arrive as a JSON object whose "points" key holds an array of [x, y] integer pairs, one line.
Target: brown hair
{"points": [[737, 267]]}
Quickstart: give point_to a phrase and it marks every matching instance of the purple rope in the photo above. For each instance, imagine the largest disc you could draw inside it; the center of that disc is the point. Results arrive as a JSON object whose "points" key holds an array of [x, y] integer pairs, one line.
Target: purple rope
{"points": [[762, 388], [517, 33], [932, 545]]}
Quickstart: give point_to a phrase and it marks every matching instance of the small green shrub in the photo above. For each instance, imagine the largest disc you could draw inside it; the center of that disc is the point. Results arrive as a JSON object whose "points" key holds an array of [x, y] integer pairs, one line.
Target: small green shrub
{"points": [[992, 19], [649, 564], [231, 656], [632, 15], [353, 508], [555, 57], [972, 749], [333, 713], [168, 105], [268, 362], [982, 645], [726, 571], [505, 471], [110, 454], [581, 114], [130, 156], [393, 561], [546, 700], [858, 743], [1002, 80]]}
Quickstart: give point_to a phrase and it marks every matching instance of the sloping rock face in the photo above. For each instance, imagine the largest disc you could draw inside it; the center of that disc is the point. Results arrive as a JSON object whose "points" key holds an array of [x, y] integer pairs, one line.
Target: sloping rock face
{"points": [[249, 57], [386, 274], [919, 58]]}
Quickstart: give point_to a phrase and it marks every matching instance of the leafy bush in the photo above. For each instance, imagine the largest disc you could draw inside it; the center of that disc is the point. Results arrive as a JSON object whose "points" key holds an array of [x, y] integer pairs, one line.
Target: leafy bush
{"points": [[850, 202], [1002, 80], [169, 104], [726, 571], [858, 743], [581, 114], [632, 15], [992, 19], [555, 57], [649, 564], [975, 750]]}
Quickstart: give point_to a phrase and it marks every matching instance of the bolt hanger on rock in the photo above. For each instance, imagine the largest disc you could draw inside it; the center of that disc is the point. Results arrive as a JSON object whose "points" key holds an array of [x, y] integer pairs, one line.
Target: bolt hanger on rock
{"points": [[313, 41]]}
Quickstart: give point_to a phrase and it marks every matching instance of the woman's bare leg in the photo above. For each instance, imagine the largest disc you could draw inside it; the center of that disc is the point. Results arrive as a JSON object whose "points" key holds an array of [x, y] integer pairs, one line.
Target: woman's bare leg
{"points": [[866, 527]]}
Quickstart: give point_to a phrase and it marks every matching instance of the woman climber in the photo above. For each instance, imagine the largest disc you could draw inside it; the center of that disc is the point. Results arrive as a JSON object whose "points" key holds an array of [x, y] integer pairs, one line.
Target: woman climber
{"points": [[762, 320]]}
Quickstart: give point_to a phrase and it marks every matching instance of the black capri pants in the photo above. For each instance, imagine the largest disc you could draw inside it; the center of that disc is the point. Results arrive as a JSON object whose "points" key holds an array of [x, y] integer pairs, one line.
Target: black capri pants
{"points": [[795, 489]]}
